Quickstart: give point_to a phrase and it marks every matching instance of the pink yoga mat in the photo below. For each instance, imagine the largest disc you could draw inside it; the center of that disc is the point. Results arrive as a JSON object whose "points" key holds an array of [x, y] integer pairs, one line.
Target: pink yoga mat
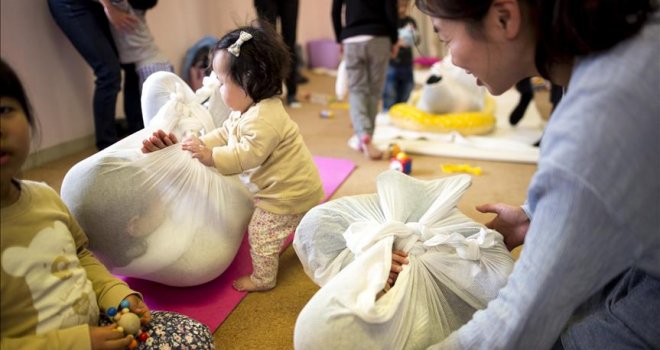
{"points": [[212, 302]]}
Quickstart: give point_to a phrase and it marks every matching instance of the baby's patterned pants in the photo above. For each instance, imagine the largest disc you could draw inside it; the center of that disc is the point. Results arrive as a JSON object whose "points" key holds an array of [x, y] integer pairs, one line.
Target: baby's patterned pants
{"points": [[266, 233]]}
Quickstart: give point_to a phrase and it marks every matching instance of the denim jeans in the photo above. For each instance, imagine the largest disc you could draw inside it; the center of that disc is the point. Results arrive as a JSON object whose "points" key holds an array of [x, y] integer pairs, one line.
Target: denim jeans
{"points": [[399, 84], [624, 315], [86, 26]]}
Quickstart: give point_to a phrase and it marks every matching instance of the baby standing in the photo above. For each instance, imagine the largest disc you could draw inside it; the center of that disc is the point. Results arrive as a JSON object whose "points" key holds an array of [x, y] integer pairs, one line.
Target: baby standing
{"points": [[260, 142]]}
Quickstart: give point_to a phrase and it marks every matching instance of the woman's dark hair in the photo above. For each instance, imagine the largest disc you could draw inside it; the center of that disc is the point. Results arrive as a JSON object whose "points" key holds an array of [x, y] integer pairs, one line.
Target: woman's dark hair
{"points": [[262, 64], [10, 86], [143, 4], [565, 28]]}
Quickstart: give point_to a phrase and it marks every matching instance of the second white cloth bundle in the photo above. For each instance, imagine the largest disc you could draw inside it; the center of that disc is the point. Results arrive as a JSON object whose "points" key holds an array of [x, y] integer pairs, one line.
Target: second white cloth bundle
{"points": [[456, 266]]}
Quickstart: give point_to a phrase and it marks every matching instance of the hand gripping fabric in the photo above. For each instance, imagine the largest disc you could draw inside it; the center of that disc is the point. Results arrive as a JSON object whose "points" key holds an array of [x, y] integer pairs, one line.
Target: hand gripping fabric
{"points": [[161, 216], [456, 266]]}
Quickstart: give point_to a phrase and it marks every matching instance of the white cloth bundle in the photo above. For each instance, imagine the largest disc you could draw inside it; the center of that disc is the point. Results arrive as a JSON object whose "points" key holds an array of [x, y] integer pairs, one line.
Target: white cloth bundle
{"points": [[456, 266], [161, 216]]}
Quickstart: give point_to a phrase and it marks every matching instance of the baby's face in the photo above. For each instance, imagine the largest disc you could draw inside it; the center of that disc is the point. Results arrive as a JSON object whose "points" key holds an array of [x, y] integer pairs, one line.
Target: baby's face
{"points": [[152, 217], [232, 94]]}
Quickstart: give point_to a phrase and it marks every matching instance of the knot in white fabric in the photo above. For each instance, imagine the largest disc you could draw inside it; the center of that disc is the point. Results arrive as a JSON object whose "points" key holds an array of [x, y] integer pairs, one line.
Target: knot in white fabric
{"points": [[210, 84], [235, 48], [468, 248], [360, 236], [180, 101]]}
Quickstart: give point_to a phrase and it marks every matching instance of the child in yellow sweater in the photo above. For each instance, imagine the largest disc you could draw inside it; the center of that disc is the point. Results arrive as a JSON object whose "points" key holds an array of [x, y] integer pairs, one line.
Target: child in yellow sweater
{"points": [[53, 290]]}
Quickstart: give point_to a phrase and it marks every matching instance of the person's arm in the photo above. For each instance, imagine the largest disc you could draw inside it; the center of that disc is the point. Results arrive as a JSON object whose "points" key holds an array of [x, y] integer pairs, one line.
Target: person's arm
{"points": [[121, 20], [418, 38], [392, 13], [573, 248], [258, 140], [337, 6], [109, 290]]}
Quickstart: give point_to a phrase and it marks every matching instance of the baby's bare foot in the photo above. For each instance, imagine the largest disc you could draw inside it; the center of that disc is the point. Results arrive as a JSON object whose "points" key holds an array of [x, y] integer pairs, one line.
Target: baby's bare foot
{"points": [[245, 284], [369, 150]]}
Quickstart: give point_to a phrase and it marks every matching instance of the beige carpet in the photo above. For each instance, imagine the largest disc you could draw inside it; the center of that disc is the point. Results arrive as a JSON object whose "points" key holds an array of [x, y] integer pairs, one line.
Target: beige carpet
{"points": [[266, 320]]}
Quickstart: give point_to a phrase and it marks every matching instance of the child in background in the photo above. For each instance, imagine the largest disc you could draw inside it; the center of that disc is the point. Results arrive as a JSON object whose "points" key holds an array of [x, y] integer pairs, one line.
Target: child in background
{"points": [[53, 289], [137, 45], [260, 142], [367, 37], [399, 80]]}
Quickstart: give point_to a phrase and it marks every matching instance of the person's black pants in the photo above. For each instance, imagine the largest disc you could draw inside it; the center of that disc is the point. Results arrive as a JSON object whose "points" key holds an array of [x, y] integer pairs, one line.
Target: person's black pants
{"points": [[287, 11]]}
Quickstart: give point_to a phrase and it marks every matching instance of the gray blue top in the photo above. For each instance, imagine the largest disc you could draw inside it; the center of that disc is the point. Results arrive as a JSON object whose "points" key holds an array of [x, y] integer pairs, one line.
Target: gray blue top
{"points": [[595, 199]]}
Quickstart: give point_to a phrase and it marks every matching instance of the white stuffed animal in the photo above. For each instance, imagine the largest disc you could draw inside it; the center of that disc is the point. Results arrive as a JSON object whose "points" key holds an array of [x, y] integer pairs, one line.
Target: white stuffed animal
{"points": [[449, 89]]}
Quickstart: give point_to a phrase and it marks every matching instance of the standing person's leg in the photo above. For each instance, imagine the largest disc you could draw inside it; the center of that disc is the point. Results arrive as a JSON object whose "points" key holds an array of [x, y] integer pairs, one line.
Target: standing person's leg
{"points": [[390, 90], [288, 12], [266, 11], [526, 91], [406, 84], [378, 55], [132, 107], [358, 90], [556, 93], [623, 316], [266, 233], [86, 26]]}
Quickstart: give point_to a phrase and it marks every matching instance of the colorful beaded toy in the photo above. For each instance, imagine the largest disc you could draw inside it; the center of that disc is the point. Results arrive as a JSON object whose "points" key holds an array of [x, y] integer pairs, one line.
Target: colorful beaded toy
{"points": [[127, 323]]}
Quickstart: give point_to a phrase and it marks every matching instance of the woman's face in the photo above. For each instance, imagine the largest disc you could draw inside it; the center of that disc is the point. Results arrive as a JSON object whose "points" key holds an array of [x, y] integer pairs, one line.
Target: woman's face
{"points": [[493, 54], [232, 94], [14, 138]]}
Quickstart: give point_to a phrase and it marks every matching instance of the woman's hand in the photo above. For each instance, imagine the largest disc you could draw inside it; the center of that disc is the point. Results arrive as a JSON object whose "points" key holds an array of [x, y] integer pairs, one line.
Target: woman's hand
{"points": [[157, 141], [199, 150], [138, 307], [108, 338], [511, 222], [119, 19]]}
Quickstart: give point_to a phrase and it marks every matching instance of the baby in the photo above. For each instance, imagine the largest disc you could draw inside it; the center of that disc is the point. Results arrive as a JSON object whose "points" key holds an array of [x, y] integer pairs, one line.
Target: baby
{"points": [[260, 142]]}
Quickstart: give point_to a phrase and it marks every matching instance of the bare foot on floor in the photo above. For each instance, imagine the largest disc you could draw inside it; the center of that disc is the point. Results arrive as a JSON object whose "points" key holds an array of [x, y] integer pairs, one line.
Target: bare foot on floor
{"points": [[245, 284], [369, 150]]}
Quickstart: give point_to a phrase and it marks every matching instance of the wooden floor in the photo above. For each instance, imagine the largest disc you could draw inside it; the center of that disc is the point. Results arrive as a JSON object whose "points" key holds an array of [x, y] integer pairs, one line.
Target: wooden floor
{"points": [[265, 320]]}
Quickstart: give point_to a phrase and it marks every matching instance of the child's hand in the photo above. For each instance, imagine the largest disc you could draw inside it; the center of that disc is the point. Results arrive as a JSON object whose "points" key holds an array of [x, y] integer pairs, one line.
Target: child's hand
{"points": [[199, 150], [399, 258], [108, 338], [121, 20], [138, 307], [157, 141]]}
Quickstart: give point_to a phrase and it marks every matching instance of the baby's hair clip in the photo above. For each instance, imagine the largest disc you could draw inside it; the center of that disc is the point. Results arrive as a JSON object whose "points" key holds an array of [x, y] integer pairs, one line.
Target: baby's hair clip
{"points": [[235, 48]]}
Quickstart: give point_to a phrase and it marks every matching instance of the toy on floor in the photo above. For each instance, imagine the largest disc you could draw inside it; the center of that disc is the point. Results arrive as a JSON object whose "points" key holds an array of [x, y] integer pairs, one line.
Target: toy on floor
{"points": [[327, 114], [399, 160], [450, 100], [127, 323], [460, 168]]}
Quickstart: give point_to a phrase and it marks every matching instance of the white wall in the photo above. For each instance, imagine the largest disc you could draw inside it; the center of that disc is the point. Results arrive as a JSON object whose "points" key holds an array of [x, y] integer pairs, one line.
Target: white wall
{"points": [[59, 82]]}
